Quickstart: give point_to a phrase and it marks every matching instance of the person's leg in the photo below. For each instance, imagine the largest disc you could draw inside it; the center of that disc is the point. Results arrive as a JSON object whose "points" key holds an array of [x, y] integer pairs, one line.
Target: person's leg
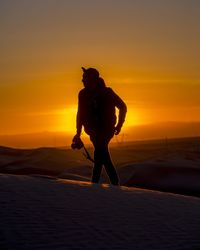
{"points": [[102, 157], [97, 165], [109, 167]]}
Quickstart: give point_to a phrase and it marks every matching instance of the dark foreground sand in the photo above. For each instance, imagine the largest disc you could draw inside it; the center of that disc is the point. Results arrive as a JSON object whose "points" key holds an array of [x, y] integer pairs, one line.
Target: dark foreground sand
{"points": [[42, 213]]}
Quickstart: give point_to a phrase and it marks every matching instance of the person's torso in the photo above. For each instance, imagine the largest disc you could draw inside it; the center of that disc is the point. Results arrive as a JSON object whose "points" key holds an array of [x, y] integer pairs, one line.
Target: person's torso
{"points": [[98, 109]]}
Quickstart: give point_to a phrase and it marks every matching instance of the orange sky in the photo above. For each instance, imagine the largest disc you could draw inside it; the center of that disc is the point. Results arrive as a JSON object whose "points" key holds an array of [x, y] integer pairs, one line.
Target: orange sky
{"points": [[147, 51]]}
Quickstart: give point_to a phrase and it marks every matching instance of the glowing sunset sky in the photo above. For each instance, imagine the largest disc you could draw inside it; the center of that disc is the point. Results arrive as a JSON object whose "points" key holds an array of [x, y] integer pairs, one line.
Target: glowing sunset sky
{"points": [[146, 50]]}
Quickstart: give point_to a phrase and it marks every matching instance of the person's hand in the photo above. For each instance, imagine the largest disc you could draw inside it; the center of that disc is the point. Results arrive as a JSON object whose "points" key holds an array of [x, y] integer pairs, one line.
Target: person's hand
{"points": [[117, 129], [76, 137], [76, 142]]}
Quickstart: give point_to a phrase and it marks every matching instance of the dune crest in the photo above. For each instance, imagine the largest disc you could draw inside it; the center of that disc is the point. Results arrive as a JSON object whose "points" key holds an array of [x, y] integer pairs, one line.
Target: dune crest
{"points": [[64, 214]]}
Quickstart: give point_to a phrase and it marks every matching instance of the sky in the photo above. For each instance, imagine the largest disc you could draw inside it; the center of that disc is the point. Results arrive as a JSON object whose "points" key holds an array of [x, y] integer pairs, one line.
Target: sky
{"points": [[147, 51]]}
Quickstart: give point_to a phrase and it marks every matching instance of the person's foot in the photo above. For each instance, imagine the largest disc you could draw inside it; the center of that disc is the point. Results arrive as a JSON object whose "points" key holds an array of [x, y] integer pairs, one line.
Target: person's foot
{"points": [[115, 184]]}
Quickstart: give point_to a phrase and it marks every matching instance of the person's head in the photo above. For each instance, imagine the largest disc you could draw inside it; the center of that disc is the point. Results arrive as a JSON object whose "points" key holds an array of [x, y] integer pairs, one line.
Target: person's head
{"points": [[90, 78]]}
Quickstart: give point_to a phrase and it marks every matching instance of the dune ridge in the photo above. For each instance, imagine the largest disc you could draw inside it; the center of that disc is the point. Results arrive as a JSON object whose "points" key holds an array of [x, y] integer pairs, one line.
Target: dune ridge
{"points": [[39, 213]]}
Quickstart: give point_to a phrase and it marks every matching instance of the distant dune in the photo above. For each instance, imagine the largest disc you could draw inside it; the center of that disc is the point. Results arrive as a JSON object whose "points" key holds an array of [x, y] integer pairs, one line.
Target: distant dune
{"points": [[173, 179], [164, 130], [35, 140], [164, 165], [140, 132]]}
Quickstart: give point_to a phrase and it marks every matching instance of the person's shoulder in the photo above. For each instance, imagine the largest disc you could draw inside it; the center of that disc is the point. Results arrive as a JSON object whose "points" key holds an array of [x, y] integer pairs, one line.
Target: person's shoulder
{"points": [[110, 91], [82, 92]]}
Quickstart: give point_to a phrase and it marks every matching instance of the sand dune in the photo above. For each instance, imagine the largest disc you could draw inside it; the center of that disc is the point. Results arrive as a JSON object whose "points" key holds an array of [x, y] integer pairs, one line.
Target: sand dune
{"points": [[38, 213], [179, 180], [172, 165]]}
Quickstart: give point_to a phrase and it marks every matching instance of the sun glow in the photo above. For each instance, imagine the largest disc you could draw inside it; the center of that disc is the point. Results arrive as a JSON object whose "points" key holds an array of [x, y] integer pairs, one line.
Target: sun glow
{"points": [[132, 118], [67, 119]]}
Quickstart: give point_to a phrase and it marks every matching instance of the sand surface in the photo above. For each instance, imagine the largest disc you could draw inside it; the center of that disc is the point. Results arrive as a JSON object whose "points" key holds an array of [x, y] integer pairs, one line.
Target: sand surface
{"points": [[42, 213]]}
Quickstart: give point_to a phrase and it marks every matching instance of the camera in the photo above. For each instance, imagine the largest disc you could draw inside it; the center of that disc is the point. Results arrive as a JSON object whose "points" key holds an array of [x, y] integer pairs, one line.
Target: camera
{"points": [[77, 143]]}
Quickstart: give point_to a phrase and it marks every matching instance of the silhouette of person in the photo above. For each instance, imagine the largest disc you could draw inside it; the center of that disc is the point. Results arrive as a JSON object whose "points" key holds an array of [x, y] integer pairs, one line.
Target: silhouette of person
{"points": [[96, 113]]}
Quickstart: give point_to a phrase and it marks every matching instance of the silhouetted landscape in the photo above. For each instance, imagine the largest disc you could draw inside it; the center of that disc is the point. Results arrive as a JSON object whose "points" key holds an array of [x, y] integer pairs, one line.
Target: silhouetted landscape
{"points": [[140, 132], [48, 201], [117, 79], [171, 165]]}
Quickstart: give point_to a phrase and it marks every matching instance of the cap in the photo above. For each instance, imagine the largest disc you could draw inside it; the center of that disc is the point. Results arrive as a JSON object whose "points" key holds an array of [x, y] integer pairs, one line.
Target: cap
{"points": [[91, 71]]}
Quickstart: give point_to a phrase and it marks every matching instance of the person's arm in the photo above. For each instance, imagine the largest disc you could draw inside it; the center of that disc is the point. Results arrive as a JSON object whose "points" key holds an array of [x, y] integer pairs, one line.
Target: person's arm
{"points": [[120, 104], [79, 122]]}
